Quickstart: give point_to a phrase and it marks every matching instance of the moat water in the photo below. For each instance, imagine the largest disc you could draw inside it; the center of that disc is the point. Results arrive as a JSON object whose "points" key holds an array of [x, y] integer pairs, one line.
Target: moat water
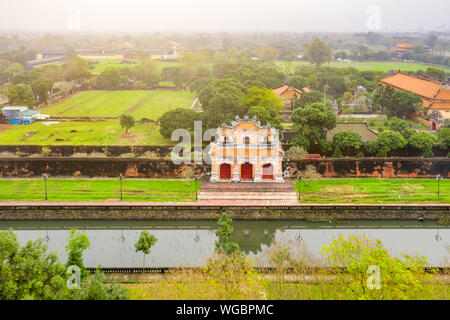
{"points": [[191, 243]]}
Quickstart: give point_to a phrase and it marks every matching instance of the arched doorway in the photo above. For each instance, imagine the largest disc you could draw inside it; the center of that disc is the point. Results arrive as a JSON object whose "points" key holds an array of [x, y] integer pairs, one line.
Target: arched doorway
{"points": [[225, 171], [433, 126], [268, 172], [246, 171]]}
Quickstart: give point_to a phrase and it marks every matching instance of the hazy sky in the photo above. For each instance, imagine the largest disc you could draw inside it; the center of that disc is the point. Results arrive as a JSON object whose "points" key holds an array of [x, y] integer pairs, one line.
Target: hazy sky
{"points": [[229, 15]]}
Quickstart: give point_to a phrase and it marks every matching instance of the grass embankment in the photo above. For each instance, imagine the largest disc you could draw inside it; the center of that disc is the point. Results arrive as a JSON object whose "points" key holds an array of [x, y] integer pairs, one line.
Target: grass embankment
{"points": [[163, 190], [374, 191]]}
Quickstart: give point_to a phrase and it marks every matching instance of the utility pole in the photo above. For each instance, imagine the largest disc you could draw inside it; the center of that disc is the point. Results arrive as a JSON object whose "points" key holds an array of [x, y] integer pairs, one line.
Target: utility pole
{"points": [[45, 185], [121, 189]]}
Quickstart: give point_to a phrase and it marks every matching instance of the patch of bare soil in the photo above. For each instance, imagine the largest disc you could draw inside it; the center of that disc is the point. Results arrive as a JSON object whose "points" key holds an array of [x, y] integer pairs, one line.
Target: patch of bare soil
{"points": [[131, 138], [4, 127]]}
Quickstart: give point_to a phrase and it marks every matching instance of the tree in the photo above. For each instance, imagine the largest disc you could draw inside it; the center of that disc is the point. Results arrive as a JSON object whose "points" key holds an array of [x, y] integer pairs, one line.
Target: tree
{"points": [[71, 53], [268, 53], [400, 278], [436, 73], [176, 119], [383, 97], [96, 288], [76, 244], [431, 41], [404, 103], [29, 271], [337, 153], [312, 124], [401, 126], [21, 95], [347, 140], [444, 138], [13, 69], [310, 98], [144, 244], [318, 52], [298, 82], [263, 97], [224, 233], [265, 116], [41, 88], [422, 140], [428, 152], [127, 122], [390, 140], [76, 70], [110, 79]]}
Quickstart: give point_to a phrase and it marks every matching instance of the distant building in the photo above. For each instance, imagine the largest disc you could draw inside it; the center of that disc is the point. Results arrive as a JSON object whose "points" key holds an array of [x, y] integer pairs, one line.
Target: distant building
{"points": [[287, 94], [434, 94], [361, 128], [358, 91], [21, 115], [403, 48], [246, 151]]}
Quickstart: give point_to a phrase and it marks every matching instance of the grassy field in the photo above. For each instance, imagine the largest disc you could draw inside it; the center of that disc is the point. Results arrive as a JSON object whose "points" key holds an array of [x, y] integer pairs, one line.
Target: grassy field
{"points": [[373, 190], [163, 190], [366, 66], [138, 103], [82, 133], [103, 64]]}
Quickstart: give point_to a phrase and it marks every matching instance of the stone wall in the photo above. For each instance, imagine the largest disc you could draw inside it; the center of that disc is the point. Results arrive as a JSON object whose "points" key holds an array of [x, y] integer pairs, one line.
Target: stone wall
{"points": [[156, 168]]}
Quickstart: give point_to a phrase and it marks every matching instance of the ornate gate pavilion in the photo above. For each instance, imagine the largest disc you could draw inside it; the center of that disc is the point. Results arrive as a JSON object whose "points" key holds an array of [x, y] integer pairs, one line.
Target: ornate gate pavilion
{"points": [[246, 151]]}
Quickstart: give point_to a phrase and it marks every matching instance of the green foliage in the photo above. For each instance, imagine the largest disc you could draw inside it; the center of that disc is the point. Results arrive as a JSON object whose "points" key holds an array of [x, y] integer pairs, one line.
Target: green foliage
{"points": [[401, 126], [144, 244], [111, 79], [337, 153], [311, 124], [310, 98], [76, 70], [428, 152], [318, 52], [265, 116], [263, 97], [422, 140], [347, 140], [177, 119], [360, 155], [397, 103], [41, 88], [29, 271], [296, 153], [224, 233], [21, 95], [401, 278], [95, 288], [444, 138], [127, 122], [390, 140], [76, 244]]}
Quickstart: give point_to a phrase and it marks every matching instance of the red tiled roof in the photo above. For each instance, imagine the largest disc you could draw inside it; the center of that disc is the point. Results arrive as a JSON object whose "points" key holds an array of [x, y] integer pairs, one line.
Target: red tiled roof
{"points": [[424, 88]]}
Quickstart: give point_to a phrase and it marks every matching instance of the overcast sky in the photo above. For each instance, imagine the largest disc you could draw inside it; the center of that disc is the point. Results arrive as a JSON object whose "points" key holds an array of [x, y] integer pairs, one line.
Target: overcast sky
{"points": [[229, 15]]}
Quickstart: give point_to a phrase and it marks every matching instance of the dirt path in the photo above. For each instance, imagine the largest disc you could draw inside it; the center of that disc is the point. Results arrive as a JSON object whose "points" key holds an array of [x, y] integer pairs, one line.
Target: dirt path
{"points": [[4, 127], [140, 103]]}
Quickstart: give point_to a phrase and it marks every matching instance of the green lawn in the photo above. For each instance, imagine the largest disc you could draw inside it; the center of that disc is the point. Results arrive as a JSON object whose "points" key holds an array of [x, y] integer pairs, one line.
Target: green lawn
{"points": [[367, 66], [373, 190], [82, 133], [163, 190], [138, 103], [115, 63]]}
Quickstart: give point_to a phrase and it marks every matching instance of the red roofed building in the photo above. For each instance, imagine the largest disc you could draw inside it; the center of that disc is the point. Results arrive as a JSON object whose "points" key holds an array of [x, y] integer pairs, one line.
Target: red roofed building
{"points": [[287, 93], [435, 95]]}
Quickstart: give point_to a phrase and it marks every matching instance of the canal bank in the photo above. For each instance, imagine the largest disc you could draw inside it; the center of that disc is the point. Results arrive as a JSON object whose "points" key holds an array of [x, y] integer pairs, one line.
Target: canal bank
{"points": [[196, 211]]}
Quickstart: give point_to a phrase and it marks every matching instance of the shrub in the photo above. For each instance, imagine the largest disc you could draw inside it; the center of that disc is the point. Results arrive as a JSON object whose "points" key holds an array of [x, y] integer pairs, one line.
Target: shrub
{"points": [[360, 155], [428, 153], [310, 173], [46, 151], [337, 153], [296, 153]]}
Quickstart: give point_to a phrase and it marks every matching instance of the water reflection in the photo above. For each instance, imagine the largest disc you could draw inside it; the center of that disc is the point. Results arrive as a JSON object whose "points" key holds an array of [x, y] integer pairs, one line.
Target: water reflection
{"points": [[190, 243]]}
